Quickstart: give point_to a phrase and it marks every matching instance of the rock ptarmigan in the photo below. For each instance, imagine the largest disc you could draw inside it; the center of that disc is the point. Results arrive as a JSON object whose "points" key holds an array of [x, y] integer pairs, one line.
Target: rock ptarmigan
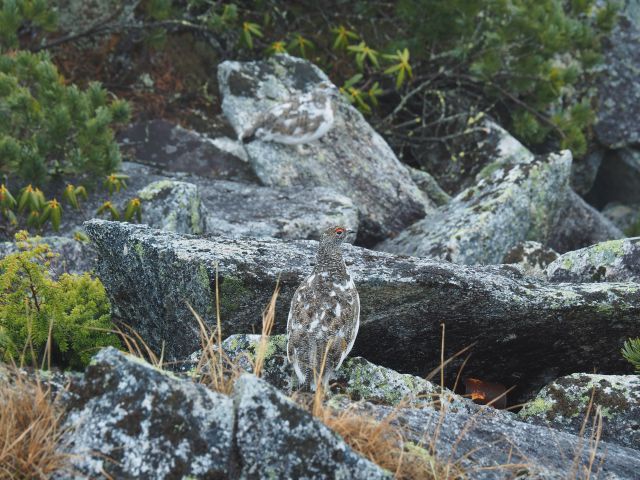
{"points": [[297, 121], [324, 316]]}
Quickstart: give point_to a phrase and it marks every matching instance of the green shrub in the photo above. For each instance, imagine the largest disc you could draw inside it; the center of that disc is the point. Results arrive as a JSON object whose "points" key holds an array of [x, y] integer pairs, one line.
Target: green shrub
{"points": [[631, 352], [525, 55], [15, 13], [48, 128], [73, 310]]}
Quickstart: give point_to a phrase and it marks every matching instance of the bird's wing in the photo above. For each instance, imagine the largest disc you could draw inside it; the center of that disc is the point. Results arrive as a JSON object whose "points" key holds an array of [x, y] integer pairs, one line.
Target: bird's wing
{"points": [[289, 119], [350, 328], [298, 319]]}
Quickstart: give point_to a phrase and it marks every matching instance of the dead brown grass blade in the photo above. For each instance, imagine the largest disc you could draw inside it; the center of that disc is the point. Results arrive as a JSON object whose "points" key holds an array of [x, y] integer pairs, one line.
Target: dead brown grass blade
{"points": [[268, 320], [30, 429]]}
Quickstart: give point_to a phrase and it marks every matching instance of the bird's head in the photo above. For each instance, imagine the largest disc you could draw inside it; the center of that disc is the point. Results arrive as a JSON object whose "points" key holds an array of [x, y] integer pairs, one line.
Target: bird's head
{"points": [[327, 88], [335, 235]]}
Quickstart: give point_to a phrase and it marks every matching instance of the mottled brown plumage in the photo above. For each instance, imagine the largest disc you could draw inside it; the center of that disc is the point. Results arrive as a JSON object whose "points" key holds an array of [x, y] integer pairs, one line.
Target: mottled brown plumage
{"points": [[297, 121], [324, 314]]}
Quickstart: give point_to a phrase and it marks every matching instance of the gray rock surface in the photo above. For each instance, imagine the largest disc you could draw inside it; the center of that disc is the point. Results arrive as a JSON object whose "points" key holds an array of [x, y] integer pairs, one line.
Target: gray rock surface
{"points": [[613, 261], [74, 256], [351, 158], [131, 420], [564, 403], [618, 87], [493, 444], [240, 210], [579, 225], [277, 439], [484, 143], [532, 257], [171, 148], [357, 378], [429, 185], [482, 223], [128, 419], [174, 206], [149, 275], [584, 170], [625, 217]]}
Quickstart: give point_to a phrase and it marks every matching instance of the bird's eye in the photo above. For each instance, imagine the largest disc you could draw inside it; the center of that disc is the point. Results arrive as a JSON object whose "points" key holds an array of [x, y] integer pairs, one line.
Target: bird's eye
{"points": [[339, 231]]}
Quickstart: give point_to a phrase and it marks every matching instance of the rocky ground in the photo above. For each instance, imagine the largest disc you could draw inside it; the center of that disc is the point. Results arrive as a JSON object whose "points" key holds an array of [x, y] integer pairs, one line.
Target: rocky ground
{"points": [[531, 265]]}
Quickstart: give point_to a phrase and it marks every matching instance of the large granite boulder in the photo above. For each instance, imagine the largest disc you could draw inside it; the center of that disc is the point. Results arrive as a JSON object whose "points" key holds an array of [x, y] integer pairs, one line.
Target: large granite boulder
{"points": [[174, 206], [128, 419], [235, 209], [131, 420], [150, 275], [481, 224], [564, 404], [171, 148], [579, 225], [493, 444], [275, 438], [351, 158], [618, 87], [613, 261]]}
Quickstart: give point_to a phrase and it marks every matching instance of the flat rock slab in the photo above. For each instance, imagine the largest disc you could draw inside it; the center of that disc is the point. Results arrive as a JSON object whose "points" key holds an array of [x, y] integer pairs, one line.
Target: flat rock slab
{"points": [[564, 403], [150, 275], [171, 148], [351, 158], [613, 261], [235, 209], [510, 204], [495, 445]]}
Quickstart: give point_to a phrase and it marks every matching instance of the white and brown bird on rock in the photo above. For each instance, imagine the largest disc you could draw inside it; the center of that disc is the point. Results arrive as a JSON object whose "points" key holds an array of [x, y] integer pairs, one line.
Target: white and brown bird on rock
{"points": [[297, 121], [324, 316]]}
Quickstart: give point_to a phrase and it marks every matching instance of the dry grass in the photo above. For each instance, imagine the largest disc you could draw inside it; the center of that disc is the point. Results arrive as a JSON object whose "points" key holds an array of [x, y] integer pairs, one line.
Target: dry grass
{"points": [[30, 428]]}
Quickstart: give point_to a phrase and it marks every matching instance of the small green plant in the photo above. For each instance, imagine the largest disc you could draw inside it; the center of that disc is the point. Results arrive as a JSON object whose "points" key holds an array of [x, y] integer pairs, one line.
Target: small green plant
{"points": [[69, 317], [631, 352]]}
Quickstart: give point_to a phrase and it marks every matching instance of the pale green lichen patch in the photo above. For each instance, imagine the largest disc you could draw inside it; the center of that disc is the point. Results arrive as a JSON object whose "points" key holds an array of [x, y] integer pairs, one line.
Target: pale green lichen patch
{"points": [[233, 294], [536, 407], [152, 190]]}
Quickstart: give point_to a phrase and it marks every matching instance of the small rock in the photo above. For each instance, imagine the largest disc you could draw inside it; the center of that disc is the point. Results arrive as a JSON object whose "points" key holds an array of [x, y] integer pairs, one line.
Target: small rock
{"points": [[579, 225], [74, 256], [613, 261], [533, 257], [351, 158], [481, 224], [625, 217], [563, 404], [429, 185], [174, 206]]}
